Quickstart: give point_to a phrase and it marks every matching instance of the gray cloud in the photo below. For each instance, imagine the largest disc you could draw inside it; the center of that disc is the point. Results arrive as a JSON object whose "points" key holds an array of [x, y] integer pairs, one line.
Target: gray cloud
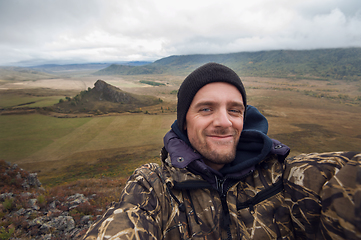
{"points": [[96, 30]]}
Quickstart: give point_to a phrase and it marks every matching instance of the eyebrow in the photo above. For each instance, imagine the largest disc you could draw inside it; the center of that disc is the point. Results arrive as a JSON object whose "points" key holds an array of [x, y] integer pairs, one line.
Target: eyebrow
{"points": [[209, 103]]}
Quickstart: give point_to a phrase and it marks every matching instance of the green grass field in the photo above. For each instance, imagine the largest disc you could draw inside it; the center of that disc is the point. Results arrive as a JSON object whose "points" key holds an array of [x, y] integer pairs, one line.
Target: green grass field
{"points": [[35, 137], [28, 101], [22, 136], [44, 144]]}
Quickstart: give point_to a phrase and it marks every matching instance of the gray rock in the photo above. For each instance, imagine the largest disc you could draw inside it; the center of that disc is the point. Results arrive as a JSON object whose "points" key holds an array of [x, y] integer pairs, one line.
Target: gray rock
{"points": [[75, 196], [32, 203], [38, 221], [29, 212], [4, 196], [33, 180], [75, 200], [86, 219], [48, 236], [20, 212], [65, 213], [63, 223], [45, 228], [13, 167], [52, 205], [25, 194]]}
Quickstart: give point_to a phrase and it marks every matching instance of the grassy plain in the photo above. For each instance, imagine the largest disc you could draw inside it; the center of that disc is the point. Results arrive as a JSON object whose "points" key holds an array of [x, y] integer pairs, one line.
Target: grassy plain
{"points": [[307, 115]]}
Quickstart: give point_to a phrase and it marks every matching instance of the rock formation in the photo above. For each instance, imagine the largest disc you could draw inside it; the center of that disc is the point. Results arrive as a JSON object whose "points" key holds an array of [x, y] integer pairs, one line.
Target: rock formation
{"points": [[111, 93]]}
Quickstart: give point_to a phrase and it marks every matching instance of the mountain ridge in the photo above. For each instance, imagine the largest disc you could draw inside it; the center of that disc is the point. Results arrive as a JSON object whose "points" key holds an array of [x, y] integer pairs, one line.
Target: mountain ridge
{"points": [[323, 64], [81, 66]]}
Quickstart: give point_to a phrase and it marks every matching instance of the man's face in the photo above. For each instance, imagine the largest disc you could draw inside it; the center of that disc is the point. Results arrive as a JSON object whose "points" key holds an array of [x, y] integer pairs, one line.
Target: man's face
{"points": [[214, 123]]}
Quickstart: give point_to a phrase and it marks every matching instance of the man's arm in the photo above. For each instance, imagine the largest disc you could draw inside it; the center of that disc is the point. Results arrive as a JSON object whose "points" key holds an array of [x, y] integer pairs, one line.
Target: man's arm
{"points": [[305, 179], [137, 214], [341, 203]]}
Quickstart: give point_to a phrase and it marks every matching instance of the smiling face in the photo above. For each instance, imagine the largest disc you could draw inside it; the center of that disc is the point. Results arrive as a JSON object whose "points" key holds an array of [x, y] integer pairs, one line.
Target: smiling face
{"points": [[214, 123]]}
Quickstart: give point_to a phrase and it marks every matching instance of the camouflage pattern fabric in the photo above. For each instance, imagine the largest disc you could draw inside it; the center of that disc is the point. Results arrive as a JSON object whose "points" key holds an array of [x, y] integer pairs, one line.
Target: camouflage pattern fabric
{"points": [[323, 193], [309, 207]]}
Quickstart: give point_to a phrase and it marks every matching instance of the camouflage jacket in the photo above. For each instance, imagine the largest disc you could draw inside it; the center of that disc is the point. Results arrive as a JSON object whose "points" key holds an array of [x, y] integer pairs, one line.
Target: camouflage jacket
{"points": [[313, 196]]}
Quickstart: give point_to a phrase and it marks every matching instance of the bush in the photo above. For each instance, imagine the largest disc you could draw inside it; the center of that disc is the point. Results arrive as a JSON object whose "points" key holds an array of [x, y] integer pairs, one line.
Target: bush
{"points": [[5, 235], [8, 204], [151, 83], [41, 200]]}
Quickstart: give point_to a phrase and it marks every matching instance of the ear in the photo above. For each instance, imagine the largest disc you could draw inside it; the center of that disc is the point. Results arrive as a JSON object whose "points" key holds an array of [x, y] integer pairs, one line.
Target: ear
{"points": [[185, 125]]}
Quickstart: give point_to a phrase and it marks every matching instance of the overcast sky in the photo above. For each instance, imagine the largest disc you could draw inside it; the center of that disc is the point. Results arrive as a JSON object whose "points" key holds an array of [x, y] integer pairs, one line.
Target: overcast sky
{"points": [[76, 31]]}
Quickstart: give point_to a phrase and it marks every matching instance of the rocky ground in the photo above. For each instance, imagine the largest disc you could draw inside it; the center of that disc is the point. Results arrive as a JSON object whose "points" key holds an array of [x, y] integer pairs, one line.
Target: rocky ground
{"points": [[29, 211]]}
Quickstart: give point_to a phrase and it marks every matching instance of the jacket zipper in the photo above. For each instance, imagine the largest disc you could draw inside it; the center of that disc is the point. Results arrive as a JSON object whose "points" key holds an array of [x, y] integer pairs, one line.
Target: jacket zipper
{"points": [[226, 221], [261, 196], [223, 196]]}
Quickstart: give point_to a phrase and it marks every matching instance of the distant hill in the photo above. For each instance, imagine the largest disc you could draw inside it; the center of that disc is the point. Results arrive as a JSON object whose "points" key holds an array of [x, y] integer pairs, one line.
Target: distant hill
{"points": [[104, 98], [23, 74], [86, 66], [116, 69], [340, 63]]}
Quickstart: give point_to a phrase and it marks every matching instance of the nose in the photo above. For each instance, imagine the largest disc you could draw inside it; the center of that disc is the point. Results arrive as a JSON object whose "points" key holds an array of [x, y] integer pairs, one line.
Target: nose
{"points": [[221, 119]]}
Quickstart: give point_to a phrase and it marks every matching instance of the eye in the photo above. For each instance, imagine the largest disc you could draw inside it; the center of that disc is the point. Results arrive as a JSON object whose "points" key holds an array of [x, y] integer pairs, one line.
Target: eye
{"points": [[236, 112], [205, 110]]}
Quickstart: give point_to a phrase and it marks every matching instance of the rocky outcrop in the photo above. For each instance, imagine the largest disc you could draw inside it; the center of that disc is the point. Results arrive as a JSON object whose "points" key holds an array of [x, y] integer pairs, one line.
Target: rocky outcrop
{"points": [[52, 220], [27, 211], [111, 93]]}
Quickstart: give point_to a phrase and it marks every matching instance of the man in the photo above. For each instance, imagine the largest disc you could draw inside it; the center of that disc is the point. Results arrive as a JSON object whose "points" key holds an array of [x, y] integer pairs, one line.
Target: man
{"points": [[222, 177]]}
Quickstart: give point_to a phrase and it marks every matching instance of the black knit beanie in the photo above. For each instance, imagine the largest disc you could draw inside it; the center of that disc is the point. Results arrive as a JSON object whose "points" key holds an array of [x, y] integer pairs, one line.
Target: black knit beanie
{"points": [[208, 73]]}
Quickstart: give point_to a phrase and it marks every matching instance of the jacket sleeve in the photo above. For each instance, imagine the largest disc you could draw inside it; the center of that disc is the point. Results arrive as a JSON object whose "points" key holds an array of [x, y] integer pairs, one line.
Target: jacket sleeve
{"points": [[136, 215], [341, 203], [316, 207]]}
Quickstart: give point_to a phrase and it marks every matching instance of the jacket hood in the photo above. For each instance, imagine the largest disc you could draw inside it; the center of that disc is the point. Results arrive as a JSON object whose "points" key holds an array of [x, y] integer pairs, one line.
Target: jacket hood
{"points": [[253, 146]]}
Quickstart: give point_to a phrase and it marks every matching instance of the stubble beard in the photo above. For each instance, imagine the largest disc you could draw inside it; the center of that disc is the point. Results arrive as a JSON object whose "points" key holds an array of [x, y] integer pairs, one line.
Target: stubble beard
{"points": [[211, 154]]}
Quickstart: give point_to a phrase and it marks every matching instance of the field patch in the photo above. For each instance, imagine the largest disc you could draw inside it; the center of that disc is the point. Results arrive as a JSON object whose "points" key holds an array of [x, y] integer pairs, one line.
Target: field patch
{"points": [[23, 135], [43, 143]]}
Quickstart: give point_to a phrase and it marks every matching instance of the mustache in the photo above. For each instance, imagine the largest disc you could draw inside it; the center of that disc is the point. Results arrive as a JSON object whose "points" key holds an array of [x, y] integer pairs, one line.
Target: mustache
{"points": [[221, 132]]}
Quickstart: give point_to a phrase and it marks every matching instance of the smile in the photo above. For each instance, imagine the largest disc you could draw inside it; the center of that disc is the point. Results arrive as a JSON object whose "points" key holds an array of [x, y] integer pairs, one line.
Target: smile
{"points": [[222, 138]]}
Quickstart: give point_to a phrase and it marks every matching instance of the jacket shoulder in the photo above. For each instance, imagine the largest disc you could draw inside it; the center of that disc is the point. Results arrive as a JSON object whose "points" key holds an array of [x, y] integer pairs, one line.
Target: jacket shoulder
{"points": [[314, 169], [341, 203], [305, 179]]}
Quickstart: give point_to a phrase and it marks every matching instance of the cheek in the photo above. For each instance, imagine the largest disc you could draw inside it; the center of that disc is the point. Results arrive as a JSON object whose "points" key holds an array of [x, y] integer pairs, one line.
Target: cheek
{"points": [[238, 125], [193, 132]]}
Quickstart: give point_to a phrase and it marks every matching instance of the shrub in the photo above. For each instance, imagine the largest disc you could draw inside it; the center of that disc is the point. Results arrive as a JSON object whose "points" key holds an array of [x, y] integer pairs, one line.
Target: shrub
{"points": [[8, 204], [4, 234], [151, 83], [41, 200]]}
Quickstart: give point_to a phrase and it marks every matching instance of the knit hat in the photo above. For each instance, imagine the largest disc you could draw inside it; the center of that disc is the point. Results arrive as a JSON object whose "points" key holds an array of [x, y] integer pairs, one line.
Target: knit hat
{"points": [[208, 73]]}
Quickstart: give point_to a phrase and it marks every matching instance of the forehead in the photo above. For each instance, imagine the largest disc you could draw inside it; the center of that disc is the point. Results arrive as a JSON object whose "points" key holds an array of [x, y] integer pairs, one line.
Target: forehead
{"points": [[218, 91]]}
